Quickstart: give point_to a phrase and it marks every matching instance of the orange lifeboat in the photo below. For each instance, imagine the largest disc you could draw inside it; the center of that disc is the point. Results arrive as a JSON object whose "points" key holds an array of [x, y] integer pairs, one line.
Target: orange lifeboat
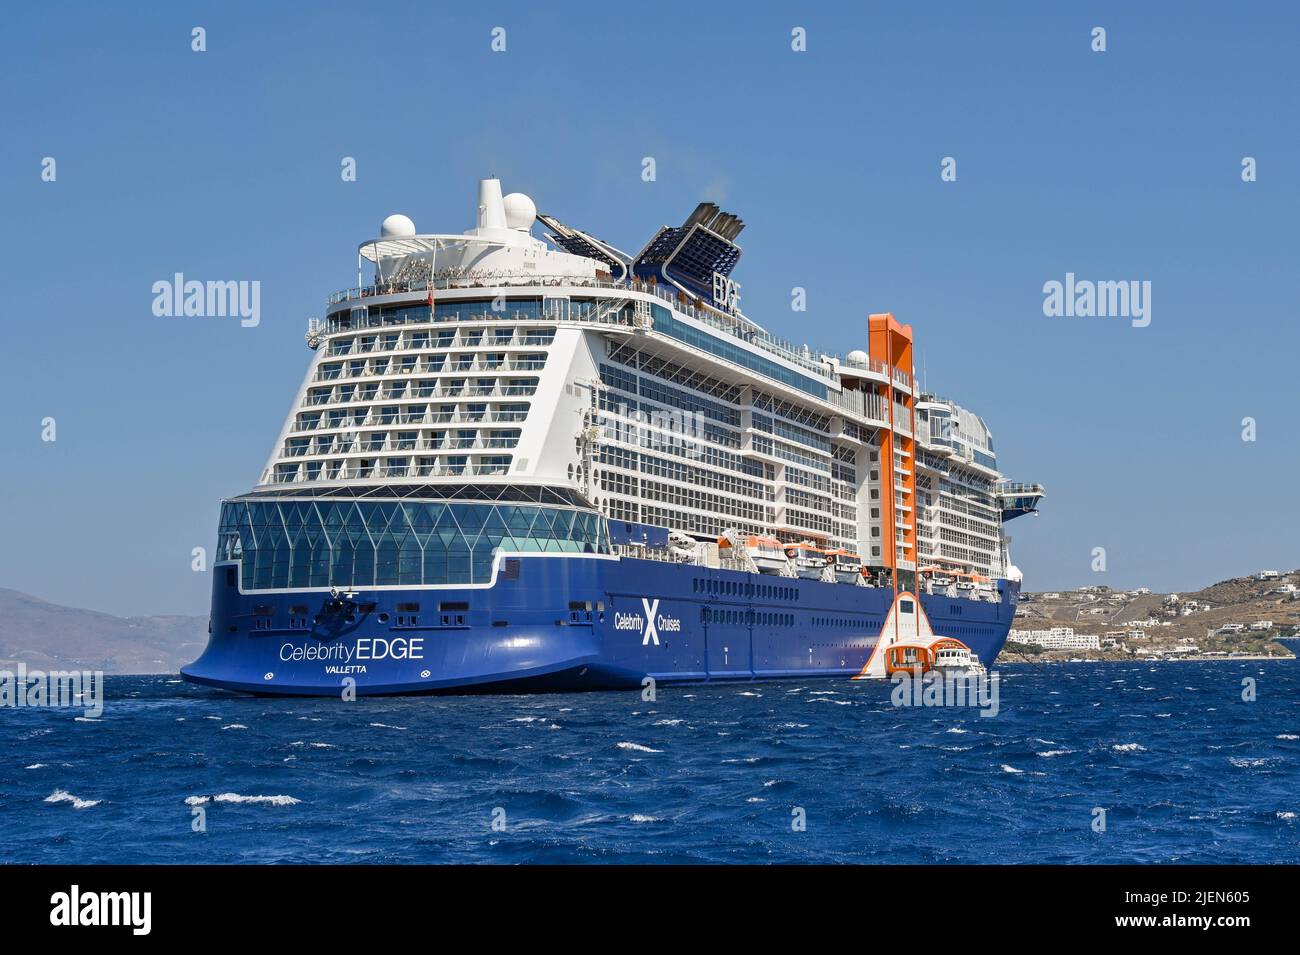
{"points": [[848, 565], [766, 552], [919, 658]]}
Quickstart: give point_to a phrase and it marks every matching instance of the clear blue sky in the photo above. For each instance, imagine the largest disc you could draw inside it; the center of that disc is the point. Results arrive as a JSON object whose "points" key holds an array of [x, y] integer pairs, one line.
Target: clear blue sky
{"points": [[225, 165]]}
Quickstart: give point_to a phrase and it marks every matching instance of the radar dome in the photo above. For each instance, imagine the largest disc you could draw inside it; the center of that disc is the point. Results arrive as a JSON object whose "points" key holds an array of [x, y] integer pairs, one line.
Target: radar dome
{"points": [[521, 212], [857, 357], [397, 226]]}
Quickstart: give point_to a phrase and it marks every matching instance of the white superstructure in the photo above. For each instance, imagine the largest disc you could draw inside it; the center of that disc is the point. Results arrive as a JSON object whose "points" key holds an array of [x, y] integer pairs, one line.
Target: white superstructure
{"points": [[493, 356]]}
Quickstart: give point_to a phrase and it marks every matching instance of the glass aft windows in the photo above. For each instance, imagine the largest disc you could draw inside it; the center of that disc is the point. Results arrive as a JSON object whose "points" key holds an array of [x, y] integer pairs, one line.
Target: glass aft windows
{"points": [[324, 543]]}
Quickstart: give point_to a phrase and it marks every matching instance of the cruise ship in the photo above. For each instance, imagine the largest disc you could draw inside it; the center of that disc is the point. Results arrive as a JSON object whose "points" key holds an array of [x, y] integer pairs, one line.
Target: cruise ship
{"points": [[521, 463]]}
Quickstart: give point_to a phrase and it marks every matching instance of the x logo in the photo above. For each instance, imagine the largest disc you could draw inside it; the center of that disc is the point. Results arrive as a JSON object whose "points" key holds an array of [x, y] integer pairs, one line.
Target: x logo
{"points": [[651, 632]]}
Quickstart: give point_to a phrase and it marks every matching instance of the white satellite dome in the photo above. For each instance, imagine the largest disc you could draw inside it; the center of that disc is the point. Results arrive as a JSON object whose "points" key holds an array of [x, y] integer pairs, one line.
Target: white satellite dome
{"points": [[856, 357], [521, 212], [397, 226]]}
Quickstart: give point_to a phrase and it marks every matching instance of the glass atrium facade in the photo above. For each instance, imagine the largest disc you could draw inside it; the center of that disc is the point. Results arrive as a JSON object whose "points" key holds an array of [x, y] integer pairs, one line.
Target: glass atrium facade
{"points": [[284, 544]]}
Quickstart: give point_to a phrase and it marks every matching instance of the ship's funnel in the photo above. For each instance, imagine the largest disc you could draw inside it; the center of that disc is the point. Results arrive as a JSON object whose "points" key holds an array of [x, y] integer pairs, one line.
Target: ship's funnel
{"points": [[491, 208]]}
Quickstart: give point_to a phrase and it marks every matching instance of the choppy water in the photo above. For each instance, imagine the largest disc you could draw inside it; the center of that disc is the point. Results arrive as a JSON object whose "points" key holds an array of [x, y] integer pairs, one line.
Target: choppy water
{"points": [[1186, 771]]}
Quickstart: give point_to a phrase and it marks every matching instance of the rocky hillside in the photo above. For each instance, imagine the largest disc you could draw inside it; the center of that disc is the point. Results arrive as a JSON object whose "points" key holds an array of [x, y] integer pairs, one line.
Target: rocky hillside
{"points": [[48, 636], [1144, 623]]}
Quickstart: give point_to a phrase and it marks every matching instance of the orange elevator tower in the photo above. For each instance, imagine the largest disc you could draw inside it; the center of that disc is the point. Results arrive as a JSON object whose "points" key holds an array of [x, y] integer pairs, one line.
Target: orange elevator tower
{"points": [[890, 341]]}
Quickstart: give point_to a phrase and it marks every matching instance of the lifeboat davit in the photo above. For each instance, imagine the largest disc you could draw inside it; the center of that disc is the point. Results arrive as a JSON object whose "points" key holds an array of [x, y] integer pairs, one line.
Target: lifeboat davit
{"points": [[809, 560], [765, 552]]}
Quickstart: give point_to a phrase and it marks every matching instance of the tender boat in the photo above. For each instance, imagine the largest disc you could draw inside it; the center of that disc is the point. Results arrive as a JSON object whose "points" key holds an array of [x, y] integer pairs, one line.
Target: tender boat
{"points": [[810, 562], [945, 655]]}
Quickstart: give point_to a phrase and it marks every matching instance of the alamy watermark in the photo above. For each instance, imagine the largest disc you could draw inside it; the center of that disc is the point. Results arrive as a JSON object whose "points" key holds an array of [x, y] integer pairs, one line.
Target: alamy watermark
{"points": [[681, 433], [935, 688], [213, 299], [1084, 298], [82, 689], [128, 909]]}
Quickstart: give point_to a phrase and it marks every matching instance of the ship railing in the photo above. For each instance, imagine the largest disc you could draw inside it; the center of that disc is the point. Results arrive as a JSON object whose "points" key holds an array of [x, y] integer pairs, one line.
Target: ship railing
{"points": [[509, 391], [404, 447], [641, 552], [440, 368], [1017, 487], [440, 417], [739, 329], [343, 348], [430, 367], [371, 473]]}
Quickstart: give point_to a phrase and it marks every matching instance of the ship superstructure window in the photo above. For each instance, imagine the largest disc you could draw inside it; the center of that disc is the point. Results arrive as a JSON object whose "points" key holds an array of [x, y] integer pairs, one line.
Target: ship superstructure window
{"points": [[451, 357], [665, 323], [459, 310], [286, 544]]}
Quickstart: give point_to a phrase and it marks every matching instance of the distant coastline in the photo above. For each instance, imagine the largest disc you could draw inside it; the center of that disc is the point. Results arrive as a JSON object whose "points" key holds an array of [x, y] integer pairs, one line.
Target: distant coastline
{"points": [[49, 636], [1241, 618]]}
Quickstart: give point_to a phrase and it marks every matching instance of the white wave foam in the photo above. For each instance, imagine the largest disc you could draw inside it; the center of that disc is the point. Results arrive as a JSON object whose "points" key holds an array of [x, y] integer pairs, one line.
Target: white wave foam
{"points": [[1129, 748], [1287, 736], [637, 747], [243, 800], [1285, 815], [822, 699], [35, 766], [234, 726], [385, 726], [62, 795], [1049, 753], [668, 722], [1241, 762], [749, 693], [1011, 769], [956, 729], [638, 817], [85, 719]]}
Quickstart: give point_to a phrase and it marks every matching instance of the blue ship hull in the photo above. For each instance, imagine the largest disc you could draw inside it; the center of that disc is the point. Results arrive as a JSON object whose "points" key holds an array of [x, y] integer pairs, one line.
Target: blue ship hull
{"points": [[552, 623]]}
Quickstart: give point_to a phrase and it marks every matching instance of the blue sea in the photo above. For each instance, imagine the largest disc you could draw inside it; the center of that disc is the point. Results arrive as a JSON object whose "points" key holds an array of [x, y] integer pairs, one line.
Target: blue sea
{"points": [[1185, 770]]}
